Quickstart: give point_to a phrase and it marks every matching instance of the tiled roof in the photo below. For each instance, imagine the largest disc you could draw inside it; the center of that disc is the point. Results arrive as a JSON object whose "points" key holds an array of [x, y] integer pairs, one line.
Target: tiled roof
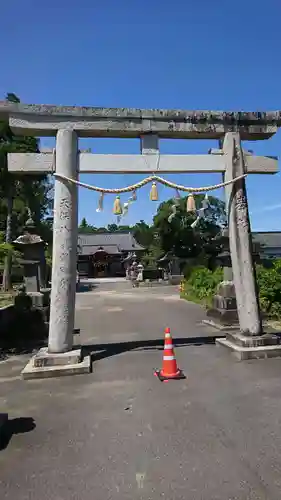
{"points": [[271, 239], [124, 241], [92, 249]]}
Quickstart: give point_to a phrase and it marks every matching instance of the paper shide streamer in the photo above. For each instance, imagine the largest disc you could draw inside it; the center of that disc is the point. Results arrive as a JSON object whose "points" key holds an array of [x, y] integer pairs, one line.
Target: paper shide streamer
{"points": [[120, 210]]}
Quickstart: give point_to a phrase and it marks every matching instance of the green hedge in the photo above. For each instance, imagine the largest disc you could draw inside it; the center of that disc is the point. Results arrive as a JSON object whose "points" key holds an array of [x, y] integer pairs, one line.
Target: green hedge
{"points": [[269, 283], [202, 284]]}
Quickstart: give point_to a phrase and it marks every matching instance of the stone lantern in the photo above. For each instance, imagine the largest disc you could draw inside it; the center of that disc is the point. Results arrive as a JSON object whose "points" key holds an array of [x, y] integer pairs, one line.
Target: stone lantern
{"points": [[33, 261]]}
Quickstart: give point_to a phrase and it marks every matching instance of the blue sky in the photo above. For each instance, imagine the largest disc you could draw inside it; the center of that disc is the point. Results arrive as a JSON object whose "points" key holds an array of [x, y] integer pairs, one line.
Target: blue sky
{"points": [[152, 54]]}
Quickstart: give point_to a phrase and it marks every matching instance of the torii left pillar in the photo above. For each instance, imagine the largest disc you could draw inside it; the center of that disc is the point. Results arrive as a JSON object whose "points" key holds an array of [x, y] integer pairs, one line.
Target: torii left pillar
{"points": [[64, 245], [59, 358]]}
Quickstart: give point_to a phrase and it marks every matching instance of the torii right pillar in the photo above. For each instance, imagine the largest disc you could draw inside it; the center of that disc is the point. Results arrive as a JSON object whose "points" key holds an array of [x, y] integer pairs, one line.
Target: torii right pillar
{"points": [[250, 342]]}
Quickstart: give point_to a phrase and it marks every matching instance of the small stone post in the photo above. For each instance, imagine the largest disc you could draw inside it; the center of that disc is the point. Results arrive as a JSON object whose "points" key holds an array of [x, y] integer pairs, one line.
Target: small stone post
{"points": [[223, 313], [64, 245], [240, 239]]}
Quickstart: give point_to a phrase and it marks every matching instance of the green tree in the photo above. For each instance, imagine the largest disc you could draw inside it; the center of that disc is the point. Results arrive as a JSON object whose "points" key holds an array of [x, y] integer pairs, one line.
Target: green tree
{"points": [[178, 236], [124, 228], [84, 227], [5, 248], [112, 228], [83, 224], [151, 256], [143, 233], [18, 194]]}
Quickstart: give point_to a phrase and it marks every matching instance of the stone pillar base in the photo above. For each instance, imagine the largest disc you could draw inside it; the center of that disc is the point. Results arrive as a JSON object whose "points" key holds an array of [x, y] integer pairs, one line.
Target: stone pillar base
{"points": [[251, 347], [46, 365], [224, 313]]}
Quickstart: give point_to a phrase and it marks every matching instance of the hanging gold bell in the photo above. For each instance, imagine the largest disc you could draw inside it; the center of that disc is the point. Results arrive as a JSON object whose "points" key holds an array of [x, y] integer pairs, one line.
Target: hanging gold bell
{"points": [[153, 192], [117, 207], [190, 205]]}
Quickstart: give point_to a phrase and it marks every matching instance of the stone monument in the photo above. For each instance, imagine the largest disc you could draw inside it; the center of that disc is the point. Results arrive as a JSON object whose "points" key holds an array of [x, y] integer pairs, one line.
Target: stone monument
{"points": [[223, 313]]}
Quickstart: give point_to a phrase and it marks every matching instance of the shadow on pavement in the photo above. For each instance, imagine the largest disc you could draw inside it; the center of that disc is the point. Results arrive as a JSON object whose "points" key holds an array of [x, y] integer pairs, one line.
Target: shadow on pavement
{"points": [[101, 351], [19, 425]]}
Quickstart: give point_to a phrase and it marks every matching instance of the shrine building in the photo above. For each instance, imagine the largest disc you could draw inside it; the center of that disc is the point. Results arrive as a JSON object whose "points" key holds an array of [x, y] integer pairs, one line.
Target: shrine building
{"points": [[106, 254]]}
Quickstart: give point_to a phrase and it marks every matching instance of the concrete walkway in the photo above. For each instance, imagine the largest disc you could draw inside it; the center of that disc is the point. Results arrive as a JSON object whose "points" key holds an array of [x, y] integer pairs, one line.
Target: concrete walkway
{"points": [[119, 433], [101, 281]]}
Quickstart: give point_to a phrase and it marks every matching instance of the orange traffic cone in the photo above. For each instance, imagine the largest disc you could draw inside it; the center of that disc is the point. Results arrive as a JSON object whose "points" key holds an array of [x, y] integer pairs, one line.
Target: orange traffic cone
{"points": [[170, 370]]}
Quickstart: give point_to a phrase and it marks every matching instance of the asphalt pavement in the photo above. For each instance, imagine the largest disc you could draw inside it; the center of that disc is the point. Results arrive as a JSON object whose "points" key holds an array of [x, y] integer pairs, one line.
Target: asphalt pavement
{"points": [[119, 433]]}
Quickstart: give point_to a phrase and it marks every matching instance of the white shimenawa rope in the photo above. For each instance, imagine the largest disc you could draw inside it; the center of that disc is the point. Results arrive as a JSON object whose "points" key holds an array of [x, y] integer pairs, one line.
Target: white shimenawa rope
{"points": [[147, 180]]}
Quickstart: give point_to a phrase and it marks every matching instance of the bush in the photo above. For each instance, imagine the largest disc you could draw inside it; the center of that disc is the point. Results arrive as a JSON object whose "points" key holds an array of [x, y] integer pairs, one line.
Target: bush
{"points": [[269, 285], [202, 284], [201, 261]]}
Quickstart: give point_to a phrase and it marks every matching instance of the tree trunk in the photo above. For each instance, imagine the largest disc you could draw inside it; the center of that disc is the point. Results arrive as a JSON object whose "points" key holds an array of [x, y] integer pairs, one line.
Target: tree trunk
{"points": [[7, 279]]}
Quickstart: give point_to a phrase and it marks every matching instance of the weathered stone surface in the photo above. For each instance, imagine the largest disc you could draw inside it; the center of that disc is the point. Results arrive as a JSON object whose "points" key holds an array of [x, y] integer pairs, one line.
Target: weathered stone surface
{"points": [[226, 289], [64, 246], [196, 116], [224, 307], [225, 317], [43, 358], [253, 341], [240, 238], [31, 275], [251, 347], [224, 302], [243, 353], [32, 372], [37, 299], [149, 162], [132, 122]]}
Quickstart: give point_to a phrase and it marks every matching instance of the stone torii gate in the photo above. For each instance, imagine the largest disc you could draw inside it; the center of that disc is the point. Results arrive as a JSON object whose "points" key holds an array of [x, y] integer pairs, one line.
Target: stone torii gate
{"points": [[70, 123]]}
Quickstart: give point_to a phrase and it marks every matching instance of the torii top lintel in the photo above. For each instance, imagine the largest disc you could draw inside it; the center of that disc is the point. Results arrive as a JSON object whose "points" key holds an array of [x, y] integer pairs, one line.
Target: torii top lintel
{"points": [[45, 120]]}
